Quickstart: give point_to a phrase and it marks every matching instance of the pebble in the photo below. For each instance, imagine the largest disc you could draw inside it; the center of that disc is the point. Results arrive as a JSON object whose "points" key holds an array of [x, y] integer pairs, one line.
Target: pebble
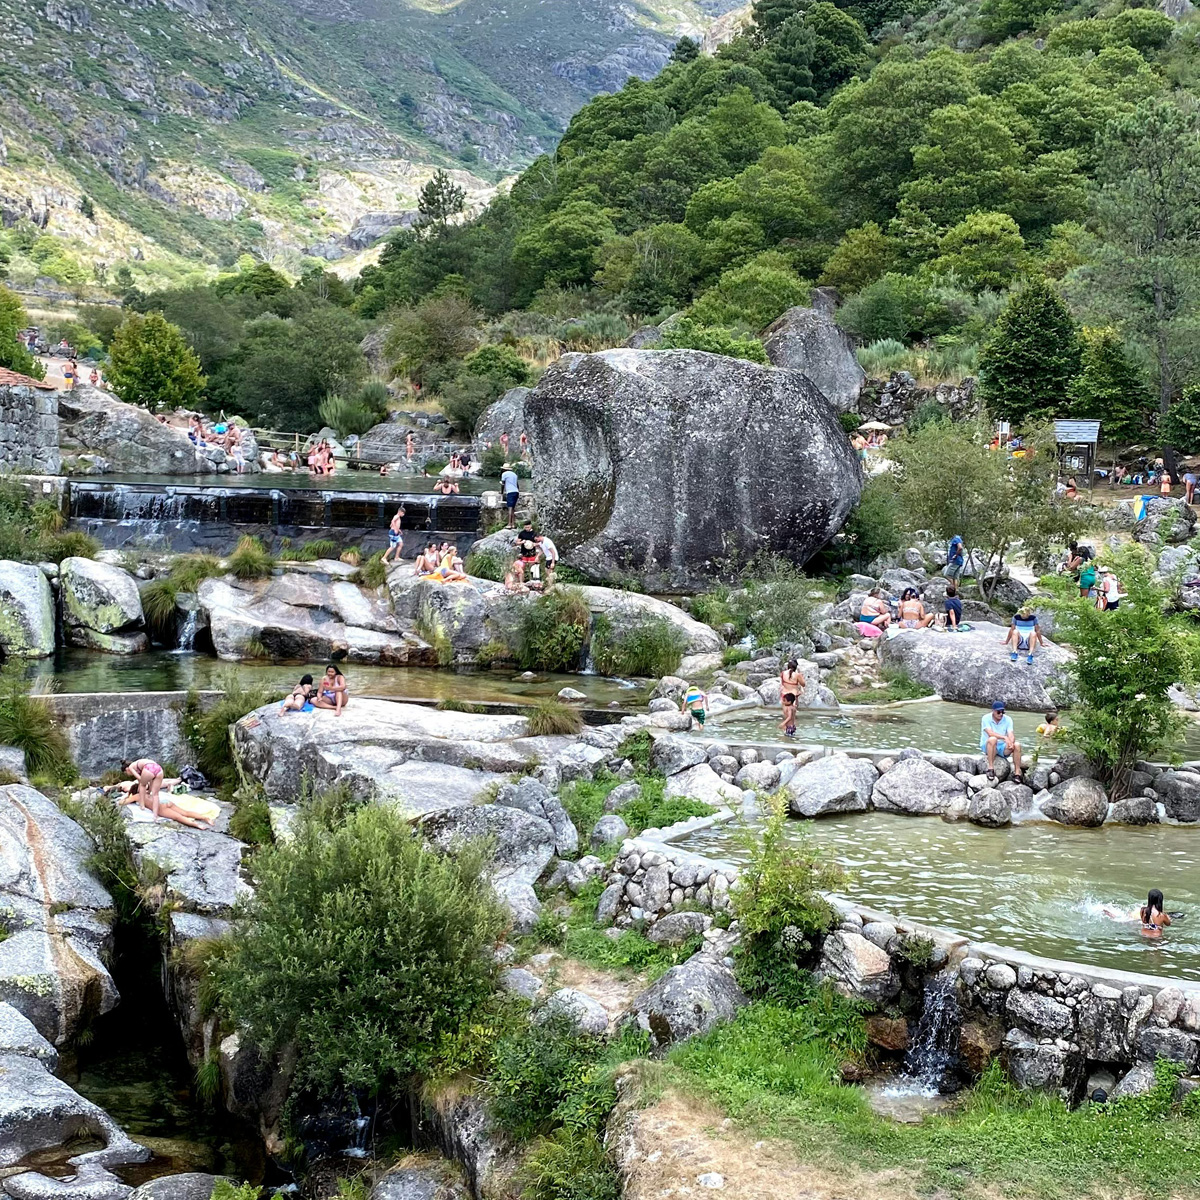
{"points": [[711, 1179]]}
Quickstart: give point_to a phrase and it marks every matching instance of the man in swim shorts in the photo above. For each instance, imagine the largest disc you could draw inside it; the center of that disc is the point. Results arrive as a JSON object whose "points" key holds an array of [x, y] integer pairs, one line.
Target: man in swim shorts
{"points": [[395, 537], [512, 493], [996, 737]]}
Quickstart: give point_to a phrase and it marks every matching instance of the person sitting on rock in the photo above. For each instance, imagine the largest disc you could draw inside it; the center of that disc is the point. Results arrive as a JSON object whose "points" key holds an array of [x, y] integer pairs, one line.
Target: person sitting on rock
{"points": [[953, 606], [301, 699], [1023, 634], [426, 562], [875, 610], [996, 737], [333, 693], [911, 612]]}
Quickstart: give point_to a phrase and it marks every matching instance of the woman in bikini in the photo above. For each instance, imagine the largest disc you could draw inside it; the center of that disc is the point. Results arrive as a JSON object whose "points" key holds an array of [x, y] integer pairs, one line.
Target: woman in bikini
{"points": [[301, 699], [791, 684], [147, 792], [912, 612], [333, 693], [1152, 916], [875, 610]]}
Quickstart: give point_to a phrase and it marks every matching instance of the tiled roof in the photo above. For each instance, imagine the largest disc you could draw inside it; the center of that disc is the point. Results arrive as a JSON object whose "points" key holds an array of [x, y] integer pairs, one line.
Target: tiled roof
{"points": [[16, 379]]}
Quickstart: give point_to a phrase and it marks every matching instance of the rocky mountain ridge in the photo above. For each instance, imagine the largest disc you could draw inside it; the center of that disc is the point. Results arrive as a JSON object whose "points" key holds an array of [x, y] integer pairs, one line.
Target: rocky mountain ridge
{"points": [[202, 128]]}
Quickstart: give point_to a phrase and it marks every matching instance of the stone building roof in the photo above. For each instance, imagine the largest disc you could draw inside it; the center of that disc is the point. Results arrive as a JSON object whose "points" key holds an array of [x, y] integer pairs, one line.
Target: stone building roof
{"points": [[16, 379]]}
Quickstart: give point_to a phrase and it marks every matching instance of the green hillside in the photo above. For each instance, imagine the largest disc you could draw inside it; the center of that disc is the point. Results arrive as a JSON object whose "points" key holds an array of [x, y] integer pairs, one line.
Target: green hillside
{"points": [[203, 128]]}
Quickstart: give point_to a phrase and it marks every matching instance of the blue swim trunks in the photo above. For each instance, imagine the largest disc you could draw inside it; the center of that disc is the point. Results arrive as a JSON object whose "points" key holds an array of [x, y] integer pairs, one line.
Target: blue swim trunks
{"points": [[394, 538]]}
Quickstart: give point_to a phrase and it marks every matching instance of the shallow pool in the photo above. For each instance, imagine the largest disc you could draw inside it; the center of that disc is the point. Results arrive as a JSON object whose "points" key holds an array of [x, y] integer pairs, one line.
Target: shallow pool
{"points": [[925, 725], [164, 671], [1035, 887]]}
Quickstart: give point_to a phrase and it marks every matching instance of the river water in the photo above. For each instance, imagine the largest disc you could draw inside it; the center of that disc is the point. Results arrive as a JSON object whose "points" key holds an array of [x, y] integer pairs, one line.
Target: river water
{"points": [[1036, 887]]}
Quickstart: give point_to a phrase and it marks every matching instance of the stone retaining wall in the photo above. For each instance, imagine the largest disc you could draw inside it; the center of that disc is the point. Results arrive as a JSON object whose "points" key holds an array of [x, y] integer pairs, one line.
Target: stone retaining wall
{"points": [[29, 430]]}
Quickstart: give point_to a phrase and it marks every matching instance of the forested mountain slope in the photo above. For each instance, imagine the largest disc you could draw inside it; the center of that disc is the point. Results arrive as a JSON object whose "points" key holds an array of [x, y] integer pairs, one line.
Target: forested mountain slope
{"points": [[206, 127]]}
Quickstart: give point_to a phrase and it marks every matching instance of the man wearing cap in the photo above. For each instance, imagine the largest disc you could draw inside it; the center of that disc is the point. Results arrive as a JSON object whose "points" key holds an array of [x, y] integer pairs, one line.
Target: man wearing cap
{"points": [[996, 737]]}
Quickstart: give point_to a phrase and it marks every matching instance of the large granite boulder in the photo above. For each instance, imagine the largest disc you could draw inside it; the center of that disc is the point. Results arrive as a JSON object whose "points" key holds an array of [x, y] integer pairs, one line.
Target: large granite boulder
{"points": [[57, 916], [810, 341], [917, 788], [452, 617], [102, 607], [1077, 802], [522, 845], [41, 1113], [835, 784], [425, 1182], [129, 438], [974, 667], [1044, 1066], [506, 415], [416, 758], [1166, 520], [666, 463], [191, 1186], [26, 612], [687, 1001], [858, 968], [307, 618], [1179, 792]]}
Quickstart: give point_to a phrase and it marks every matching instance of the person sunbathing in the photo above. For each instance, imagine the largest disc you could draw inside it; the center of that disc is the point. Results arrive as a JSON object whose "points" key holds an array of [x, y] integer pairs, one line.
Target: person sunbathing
{"points": [[146, 791]]}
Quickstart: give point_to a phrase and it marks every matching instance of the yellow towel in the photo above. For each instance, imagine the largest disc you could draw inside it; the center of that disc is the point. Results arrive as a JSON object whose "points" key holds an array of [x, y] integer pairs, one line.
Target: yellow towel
{"points": [[195, 806]]}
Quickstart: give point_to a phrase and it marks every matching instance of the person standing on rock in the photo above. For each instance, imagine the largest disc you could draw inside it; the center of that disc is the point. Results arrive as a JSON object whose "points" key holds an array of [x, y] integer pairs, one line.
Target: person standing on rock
{"points": [[996, 736], [1164, 486], [512, 493], [550, 555], [956, 559], [1189, 487], [695, 702], [395, 538], [409, 446], [791, 684]]}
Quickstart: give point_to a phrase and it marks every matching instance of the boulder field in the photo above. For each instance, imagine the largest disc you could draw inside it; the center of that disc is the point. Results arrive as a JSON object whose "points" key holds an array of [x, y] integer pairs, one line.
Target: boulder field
{"points": [[666, 463]]}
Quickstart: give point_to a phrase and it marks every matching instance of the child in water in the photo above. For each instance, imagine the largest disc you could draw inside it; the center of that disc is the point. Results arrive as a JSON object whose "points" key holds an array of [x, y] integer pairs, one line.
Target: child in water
{"points": [[1153, 915]]}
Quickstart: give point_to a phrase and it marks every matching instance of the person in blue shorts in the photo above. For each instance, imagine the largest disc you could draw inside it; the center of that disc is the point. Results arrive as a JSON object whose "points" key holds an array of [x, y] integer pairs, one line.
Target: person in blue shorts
{"points": [[1023, 634], [395, 537], [996, 737]]}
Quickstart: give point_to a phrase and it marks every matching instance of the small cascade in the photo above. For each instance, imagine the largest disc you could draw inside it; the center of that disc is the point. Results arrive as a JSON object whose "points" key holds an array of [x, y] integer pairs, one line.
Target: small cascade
{"points": [[358, 1138], [187, 634], [932, 1054]]}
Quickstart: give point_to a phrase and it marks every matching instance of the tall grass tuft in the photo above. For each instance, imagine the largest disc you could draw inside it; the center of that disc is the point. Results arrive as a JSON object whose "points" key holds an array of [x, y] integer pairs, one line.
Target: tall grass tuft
{"points": [[189, 571], [552, 630], [648, 646], [250, 560], [372, 573], [483, 564], [158, 607], [208, 729], [552, 718], [28, 724]]}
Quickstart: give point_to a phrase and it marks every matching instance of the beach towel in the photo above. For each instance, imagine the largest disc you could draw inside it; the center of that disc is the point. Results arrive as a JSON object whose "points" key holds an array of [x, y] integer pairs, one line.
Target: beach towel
{"points": [[193, 806], [868, 630]]}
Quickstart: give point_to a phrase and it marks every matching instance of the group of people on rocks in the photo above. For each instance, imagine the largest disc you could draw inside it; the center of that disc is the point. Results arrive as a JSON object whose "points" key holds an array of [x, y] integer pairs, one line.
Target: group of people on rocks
{"points": [[1096, 582], [536, 564], [220, 435], [331, 693]]}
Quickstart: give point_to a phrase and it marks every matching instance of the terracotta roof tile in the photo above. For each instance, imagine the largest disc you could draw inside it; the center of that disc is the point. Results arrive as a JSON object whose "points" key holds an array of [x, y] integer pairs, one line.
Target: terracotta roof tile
{"points": [[16, 379]]}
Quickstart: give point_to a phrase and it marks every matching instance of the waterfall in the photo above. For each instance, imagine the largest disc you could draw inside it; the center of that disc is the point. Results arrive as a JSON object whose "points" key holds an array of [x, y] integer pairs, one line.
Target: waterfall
{"points": [[358, 1138], [187, 634], [932, 1055]]}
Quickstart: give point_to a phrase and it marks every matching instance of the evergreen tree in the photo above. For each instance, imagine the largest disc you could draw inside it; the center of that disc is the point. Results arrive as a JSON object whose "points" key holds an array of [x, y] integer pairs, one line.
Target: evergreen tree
{"points": [[686, 50], [1029, 363], [1109, 388], [769, 15], [13, 354], [1181, 426], [787, 63], [151, 364], [441, 198]]}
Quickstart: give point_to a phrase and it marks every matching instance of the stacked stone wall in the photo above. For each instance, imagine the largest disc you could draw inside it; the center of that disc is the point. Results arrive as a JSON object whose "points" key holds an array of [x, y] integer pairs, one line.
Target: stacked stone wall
{"points": [[29, 430]]}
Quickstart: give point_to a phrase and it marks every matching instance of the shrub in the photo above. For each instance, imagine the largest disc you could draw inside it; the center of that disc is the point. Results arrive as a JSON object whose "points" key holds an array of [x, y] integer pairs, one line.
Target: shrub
{"points": [[491, 462], [348, 417], [30, 725], [570, 1164], [779, 907], [712, 608], [774, 604], [372, 573], [73, 544], [850, 421], [651, 810], [250, 560], [686, 334], [208, 730], [552, 718], [158, 607], [251, 820], [483, 564], [225, 1189], [552, 630], [360, 949], [636, 747], [584, 801], [645, 646]]}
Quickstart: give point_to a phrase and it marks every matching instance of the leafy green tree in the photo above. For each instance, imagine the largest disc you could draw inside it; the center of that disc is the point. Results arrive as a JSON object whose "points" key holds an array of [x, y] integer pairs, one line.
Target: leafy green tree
{"points": [[1032, 358], [984, 250], [1149, 209], [1124, 666], [13, 354], [840, 45], [562, 249], [435, 332], [788, 63], [151, 364], [863, 255], [1006, 18], [1181, 426], [1109, 387], [752, 296], [361, 950], [440, 199], [259, 280], [1145, 29], [770, 15]]}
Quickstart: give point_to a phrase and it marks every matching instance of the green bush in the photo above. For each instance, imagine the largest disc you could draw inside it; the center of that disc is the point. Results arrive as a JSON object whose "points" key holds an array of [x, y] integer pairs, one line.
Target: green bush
{"points": [[191, 570], [570, 1164], [551, 718], [30, 725], [644, 646], [551, 631], [360, 949], [492, 460], [636, 747], [208, 729], [774, 604], [250, 560], [686, 334], [225, 1189], [850, 421], [712, 608], [780, 908], [158, 608], [483, 564], [650, 810], [251, 820], [372, 573]]}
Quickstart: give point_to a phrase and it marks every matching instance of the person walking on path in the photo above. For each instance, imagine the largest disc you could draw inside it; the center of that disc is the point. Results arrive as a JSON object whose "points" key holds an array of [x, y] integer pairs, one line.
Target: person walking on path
{"points": [[395, 538], [1189, 487], [512, 493]]}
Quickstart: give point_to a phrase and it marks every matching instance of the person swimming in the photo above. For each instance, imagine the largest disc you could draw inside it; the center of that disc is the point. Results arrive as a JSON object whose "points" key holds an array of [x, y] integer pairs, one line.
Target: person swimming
{"points": [[1152, 915]]}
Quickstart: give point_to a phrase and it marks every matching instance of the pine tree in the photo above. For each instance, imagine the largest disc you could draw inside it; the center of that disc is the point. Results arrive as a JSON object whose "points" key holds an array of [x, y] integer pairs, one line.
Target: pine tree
{"points": [[1109, 388], [769, 15], [686, 50], [787, 63], [1027, 367], [441, 198]]}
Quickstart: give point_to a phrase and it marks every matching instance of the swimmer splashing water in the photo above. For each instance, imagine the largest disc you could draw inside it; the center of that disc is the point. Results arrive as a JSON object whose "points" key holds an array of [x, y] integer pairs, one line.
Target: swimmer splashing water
{"points": [[1152, 915]]}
